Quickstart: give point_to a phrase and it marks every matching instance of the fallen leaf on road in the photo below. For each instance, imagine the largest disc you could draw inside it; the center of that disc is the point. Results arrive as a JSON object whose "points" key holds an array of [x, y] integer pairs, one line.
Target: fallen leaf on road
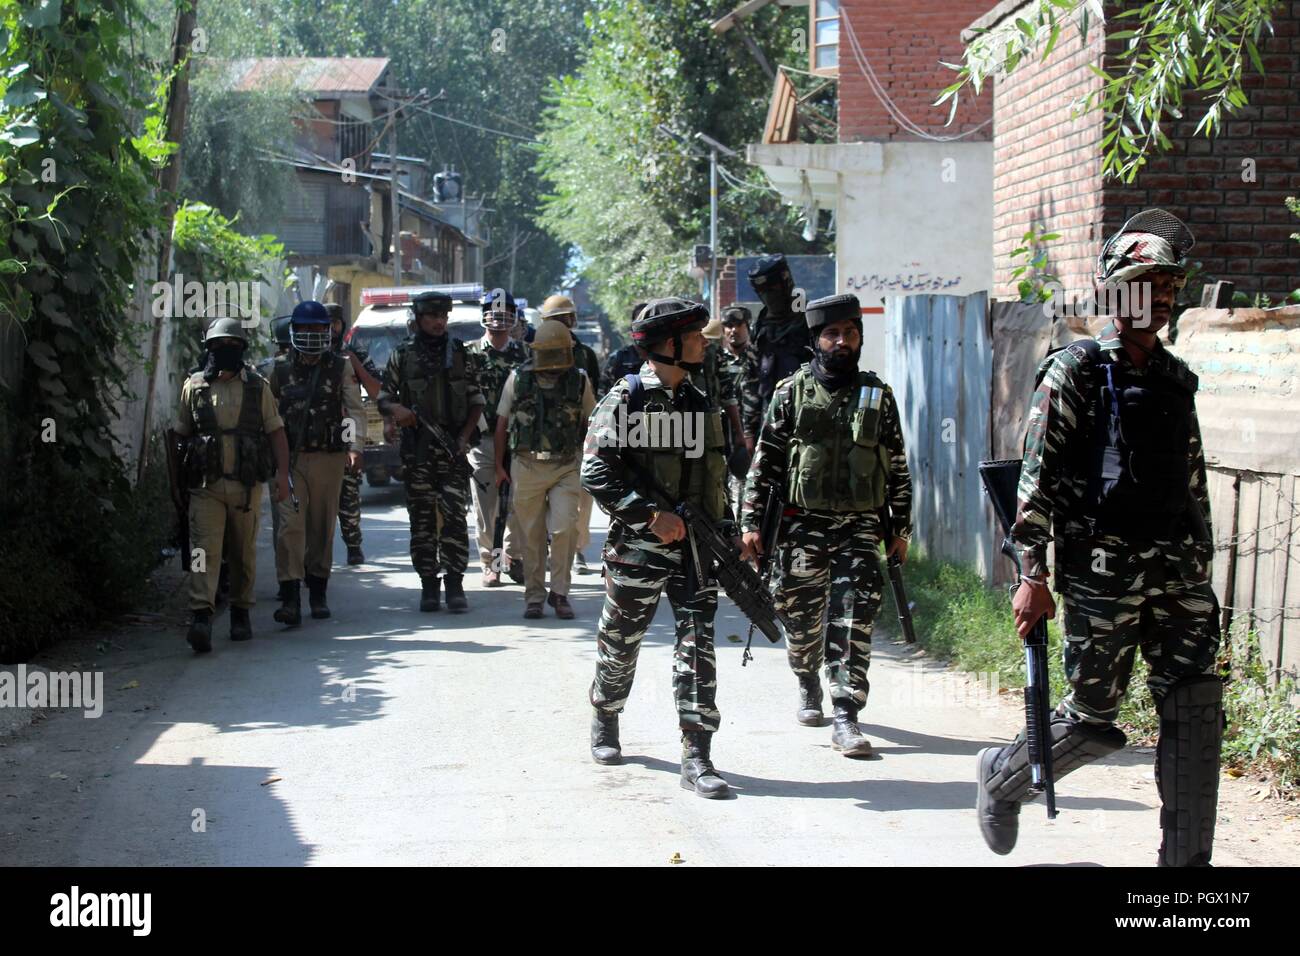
{"points": [[58, 776], [676, 858], [734, 638], [130, 686], [271, 780], [1233, 772]]}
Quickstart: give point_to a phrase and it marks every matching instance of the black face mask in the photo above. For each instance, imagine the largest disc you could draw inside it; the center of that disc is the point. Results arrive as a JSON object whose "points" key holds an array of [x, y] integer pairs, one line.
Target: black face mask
{"points": [[223, 358], [836, 368]]}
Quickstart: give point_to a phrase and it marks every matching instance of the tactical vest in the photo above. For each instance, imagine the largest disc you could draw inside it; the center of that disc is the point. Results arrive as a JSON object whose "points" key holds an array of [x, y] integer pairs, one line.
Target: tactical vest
{"points": [[1136, 464], [626, 361], [547, 420], [435, 383], [321, 428], [493, 369], [779, 357], [204, 464], [702, 481], [835, 461]]}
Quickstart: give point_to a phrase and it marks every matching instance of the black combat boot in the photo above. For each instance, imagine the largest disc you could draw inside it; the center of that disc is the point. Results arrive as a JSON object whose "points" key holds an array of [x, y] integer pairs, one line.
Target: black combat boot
{"points": [[355, 555], [810, 701], [241, 629], [289, 613], [1004, 774], [316, 596], [697, 769], [846, 737], [604, 738], [429, 593], [456, 602], [200, 632]]}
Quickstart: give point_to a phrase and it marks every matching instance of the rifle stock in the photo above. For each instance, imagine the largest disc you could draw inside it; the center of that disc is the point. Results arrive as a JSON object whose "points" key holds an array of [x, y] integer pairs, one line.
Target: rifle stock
{"points": [[1001, 480]]}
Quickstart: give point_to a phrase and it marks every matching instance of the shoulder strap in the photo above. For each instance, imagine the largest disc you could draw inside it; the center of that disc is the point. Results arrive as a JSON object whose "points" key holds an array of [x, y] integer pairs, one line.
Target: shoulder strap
{"points": [[635, 392], [1086, 351]]}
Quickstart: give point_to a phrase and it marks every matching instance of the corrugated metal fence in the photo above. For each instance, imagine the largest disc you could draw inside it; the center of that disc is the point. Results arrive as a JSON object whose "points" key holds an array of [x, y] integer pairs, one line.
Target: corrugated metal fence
{"points": [[939, 364]]}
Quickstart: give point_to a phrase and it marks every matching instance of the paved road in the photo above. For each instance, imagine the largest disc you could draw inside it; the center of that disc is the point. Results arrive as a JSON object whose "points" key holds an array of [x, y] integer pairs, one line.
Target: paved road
{"points": [[397, 737]]}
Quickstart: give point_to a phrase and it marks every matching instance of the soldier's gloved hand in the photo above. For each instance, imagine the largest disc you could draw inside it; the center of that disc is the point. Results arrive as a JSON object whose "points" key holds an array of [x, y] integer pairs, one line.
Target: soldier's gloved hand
{"points": [[667, 527], [742, 545], [390, 431], [751, 545], [354, 462], [1031, 602], [898, 547], [402, 415], [281, 492]]}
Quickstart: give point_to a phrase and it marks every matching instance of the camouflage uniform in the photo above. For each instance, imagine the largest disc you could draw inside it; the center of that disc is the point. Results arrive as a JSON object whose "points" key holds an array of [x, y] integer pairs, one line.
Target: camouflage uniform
{"points": [[1119, 594], [744, 372], [639, 567], [492, 368], [624, 361], [350, 493], [436, 378], [827, 564]]}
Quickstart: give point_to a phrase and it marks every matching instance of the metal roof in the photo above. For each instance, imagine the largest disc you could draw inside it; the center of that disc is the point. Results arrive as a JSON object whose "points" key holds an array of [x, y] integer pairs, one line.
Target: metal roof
{"points": [[321, 74]]}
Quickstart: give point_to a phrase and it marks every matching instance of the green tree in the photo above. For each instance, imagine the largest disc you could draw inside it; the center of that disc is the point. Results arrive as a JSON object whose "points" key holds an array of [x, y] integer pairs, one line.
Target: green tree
{"points": [[632, 199], [1170, 51]]}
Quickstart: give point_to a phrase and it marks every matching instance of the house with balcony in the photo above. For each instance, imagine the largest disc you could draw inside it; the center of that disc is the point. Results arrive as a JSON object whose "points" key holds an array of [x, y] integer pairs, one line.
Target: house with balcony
{"points": [[338, 230], [853, 132]]}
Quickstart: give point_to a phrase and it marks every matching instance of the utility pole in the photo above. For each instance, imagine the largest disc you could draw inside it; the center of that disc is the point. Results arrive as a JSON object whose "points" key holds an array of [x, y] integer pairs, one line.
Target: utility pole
{"points": [[713, 232], [396, 209]]}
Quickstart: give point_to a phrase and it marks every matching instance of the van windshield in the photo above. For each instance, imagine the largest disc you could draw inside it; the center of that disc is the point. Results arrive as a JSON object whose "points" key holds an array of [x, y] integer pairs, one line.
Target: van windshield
{"points": [[379, 341]]}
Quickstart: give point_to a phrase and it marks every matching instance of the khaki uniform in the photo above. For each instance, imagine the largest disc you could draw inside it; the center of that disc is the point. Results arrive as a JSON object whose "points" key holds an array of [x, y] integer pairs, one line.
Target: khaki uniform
{"points": [[305, 544], [546, 493], [225, 512]]}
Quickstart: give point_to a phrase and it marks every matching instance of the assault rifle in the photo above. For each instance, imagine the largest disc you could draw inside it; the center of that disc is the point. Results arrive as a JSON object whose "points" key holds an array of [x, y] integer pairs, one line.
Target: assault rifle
{"points": [[708, 545], [1001, 479], [895, 567]]}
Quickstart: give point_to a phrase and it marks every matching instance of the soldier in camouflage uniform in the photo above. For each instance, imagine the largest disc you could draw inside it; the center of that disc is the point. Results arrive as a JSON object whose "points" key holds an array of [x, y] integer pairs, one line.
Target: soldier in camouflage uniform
{"points": [[494, 357], [1113, 474], [368, 376], [647, 552], [832, 449], [323, 418], [431, 374], [625, 361], [743, 360]]}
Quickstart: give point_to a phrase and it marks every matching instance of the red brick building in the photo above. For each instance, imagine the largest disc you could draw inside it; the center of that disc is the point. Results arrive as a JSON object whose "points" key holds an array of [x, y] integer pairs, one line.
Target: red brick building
{"points": [[1230, 190]]}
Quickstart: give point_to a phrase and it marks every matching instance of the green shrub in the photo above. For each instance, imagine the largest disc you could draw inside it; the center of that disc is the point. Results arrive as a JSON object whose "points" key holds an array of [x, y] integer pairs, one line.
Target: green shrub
{"points": [[959, 619], [73, 554]]}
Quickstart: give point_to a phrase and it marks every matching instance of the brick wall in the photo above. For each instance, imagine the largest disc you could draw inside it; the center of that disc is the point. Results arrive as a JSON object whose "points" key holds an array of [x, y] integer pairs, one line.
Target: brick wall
{"points": [[904, 40], [1047, 165], [1242, 228], [1047, 170]]}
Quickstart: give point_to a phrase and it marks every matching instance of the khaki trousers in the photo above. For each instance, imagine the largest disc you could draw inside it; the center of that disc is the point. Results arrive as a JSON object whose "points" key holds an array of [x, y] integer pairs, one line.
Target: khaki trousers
{"points": [[546, 500], [305, 545], [219, 524]]}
